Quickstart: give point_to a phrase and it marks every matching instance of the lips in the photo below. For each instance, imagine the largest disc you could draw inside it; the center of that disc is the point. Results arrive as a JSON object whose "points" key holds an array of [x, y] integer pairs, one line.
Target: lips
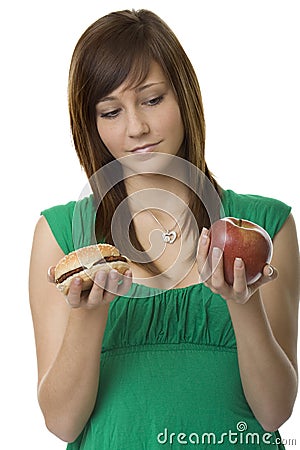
{"points": [[144, 148]]}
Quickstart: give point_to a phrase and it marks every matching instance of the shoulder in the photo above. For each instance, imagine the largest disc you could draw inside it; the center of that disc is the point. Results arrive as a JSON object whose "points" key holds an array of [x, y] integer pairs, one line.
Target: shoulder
{"points": [[71, 223], [59, 213], [270, 213], [59, 219]]}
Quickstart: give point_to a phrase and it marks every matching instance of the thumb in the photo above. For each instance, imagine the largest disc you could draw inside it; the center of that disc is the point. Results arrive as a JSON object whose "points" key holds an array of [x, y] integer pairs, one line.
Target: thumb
{"points": [[270, 272], [50, 274]]}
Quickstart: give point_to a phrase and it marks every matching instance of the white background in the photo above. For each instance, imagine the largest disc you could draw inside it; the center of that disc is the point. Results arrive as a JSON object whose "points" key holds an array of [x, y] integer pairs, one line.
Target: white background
{"points": [[246, 54]]}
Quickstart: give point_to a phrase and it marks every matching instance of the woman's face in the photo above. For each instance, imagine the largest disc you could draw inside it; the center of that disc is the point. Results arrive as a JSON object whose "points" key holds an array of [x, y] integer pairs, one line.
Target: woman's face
{"points": [[141, 120]]}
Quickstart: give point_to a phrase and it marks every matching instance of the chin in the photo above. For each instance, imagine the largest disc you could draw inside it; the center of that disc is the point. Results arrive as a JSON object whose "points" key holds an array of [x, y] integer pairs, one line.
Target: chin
{"points": [[149, 163]]}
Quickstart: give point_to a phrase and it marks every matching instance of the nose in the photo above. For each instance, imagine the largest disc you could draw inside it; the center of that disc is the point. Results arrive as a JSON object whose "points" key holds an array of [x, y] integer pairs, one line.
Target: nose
{"points": [[137, 124]]}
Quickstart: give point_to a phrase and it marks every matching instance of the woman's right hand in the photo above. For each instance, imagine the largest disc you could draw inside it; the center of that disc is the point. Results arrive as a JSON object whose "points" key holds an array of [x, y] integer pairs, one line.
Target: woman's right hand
{"points": [[106, 286]]}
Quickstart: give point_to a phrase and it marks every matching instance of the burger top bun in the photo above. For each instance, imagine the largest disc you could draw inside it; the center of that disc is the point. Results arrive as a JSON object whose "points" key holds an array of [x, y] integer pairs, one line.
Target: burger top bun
{"points": [[85, 262], [85, 256]]}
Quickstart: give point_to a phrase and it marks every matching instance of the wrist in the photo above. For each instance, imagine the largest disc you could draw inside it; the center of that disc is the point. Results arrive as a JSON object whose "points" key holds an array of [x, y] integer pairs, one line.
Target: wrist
{"points": [[254, 302], [250, 319], [90, 315]]}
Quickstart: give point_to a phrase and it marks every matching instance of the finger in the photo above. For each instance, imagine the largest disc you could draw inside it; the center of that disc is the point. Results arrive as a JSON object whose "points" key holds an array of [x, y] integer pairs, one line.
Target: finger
{"points": [[97, 291], [239, 277], [202, 255], [73, 297], [51, 274], [217, 278], [112, 285], [126, 283]]}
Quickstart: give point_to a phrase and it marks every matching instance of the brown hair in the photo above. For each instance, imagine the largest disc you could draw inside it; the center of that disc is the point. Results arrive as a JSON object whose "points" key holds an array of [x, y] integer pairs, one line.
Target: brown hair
{"points": [[121, 46]]}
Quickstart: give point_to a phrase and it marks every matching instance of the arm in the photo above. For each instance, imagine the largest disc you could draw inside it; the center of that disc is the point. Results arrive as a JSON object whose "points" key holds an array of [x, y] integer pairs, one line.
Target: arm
{"points": [[265, 318], [68, 338]]}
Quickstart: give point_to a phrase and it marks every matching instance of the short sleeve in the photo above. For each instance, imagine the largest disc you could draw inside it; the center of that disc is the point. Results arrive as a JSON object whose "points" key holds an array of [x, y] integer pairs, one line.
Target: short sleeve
{"points": [[72, 224], [267, 212]]}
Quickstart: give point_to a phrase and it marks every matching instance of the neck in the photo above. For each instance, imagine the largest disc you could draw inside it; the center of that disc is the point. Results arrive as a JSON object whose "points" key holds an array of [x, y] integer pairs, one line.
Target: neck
{"points": [[157, 192]]}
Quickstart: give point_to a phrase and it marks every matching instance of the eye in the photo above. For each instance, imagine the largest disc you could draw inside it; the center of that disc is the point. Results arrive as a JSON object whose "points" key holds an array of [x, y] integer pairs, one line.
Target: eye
{"points": [[155, 101], [110, 114]]}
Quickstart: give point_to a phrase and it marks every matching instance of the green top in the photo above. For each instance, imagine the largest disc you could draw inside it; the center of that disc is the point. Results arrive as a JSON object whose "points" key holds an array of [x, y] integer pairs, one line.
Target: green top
{"points": [[169, 368]]}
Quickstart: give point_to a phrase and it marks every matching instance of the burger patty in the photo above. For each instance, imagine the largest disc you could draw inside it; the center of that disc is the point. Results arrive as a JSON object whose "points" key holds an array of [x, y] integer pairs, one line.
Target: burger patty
{"points": [[106, 259]]}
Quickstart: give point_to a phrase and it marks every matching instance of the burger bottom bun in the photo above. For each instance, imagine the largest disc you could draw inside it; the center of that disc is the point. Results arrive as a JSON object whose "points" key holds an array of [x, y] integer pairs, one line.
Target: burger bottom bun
{"points": [[88, 275]]}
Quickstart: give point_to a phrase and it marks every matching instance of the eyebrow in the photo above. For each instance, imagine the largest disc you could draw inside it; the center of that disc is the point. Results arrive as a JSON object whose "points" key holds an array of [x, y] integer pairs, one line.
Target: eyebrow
{"points": [[146, 86], [138, 89]]}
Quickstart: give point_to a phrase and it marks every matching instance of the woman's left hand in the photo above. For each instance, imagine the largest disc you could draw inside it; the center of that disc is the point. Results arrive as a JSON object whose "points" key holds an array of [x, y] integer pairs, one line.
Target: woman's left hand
{"points": [[239, 292]]}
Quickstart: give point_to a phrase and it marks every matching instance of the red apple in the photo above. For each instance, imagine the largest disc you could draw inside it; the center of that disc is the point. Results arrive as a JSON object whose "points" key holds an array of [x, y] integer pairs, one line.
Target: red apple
{"points": [[239, 238]]}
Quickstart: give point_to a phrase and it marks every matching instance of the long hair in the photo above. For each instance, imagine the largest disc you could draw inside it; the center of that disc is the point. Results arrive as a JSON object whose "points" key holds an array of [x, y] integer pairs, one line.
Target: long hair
{"points": [[121, 46]]}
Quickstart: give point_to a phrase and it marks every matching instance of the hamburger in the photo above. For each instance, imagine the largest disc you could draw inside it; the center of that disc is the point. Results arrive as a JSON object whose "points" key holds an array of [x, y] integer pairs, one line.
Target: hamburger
{"points": [[85, 262]]}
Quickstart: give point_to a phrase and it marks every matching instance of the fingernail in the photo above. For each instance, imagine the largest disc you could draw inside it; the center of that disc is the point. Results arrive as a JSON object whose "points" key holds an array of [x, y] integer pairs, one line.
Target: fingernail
{"points": [[238, 263], [114, 274], [49, 272], [204, 236], [77, 281], [217, 252], [270, 271], [100, 276]]}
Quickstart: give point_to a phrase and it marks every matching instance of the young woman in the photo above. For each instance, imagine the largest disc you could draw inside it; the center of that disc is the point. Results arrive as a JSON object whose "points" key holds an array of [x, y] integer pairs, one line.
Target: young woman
{"points": [[164, 355]]}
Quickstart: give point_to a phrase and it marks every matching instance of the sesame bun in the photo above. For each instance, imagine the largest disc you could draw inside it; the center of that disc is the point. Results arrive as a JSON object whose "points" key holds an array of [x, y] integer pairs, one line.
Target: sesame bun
{"points": [[85, 262]]}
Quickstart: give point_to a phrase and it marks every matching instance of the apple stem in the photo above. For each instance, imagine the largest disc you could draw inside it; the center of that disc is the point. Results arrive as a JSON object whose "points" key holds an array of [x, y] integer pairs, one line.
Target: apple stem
{"points": [[240, 222]]}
